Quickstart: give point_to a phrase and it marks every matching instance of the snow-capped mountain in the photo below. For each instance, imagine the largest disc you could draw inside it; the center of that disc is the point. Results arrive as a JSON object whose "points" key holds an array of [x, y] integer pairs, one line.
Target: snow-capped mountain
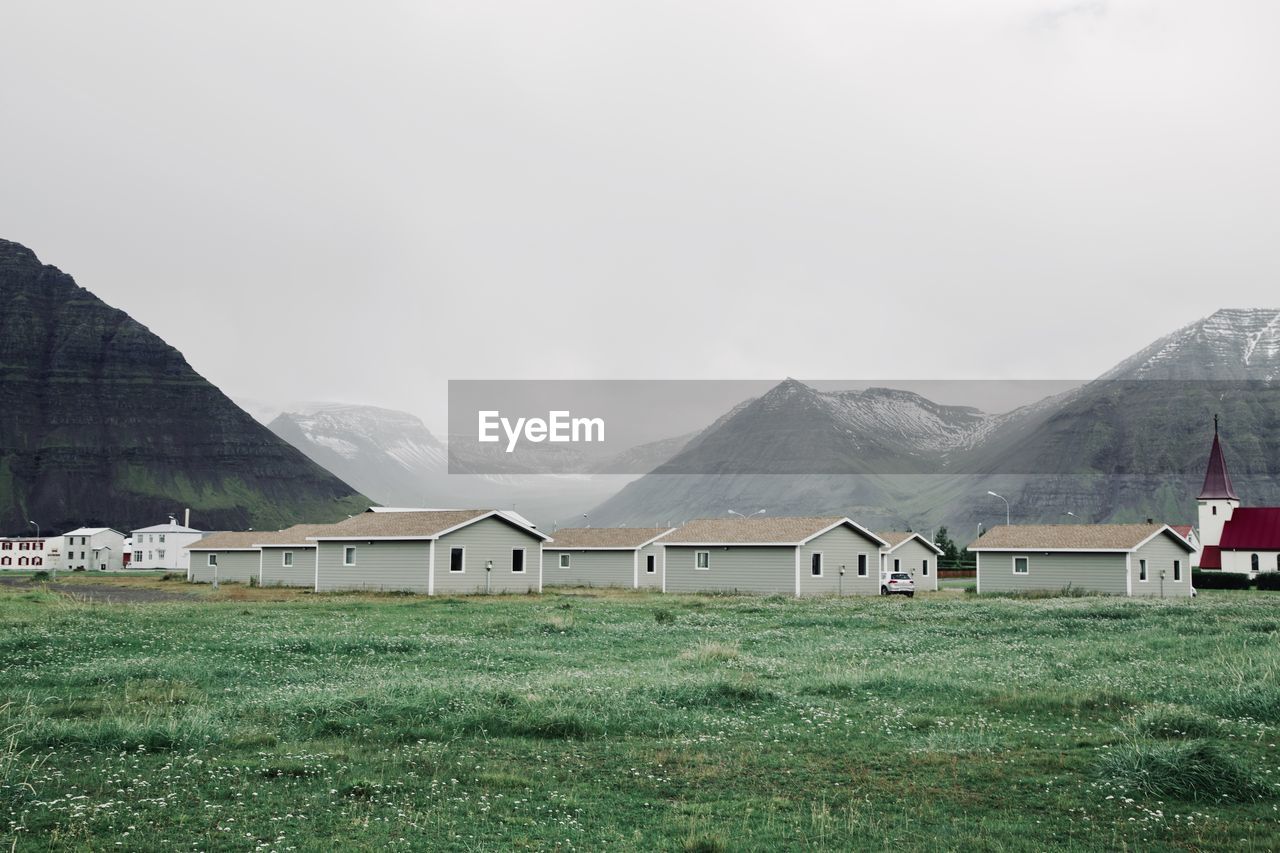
{"points": [[1231, 344], [1114, 449], [391, 453]]}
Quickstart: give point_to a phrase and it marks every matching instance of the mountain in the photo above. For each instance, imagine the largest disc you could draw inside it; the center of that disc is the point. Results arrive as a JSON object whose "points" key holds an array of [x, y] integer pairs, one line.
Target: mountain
{"points": [[1127, 446], [386, 454], [392, 457], [102, 422]]}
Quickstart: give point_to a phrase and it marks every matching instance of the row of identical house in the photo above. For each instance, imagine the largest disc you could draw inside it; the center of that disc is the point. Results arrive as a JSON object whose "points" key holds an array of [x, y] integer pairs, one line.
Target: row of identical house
{"points": [[450, 552]]}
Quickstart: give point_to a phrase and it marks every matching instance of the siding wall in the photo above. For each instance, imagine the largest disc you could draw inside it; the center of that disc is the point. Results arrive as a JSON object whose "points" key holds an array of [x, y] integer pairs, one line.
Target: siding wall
{"points": [[302, 573], [233, 566], [839, 547], [742, 568], [491, 539], [1098, 572], [651, 581], [387, 566], [911, 555], [1160, 554], [588, 568]]}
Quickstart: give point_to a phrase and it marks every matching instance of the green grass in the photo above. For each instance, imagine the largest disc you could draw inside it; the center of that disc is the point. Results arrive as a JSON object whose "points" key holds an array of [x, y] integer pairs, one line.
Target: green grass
{"points": [[272, 719]]}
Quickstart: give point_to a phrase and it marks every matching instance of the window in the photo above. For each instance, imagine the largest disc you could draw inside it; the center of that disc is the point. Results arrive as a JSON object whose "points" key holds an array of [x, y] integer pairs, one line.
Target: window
{"points": [[1215, 510], [160, 553], [862, 565], [1253, 562], [137, 556], [148, 556], [161, 538], [1142, 570], [286, 559], [349, 555], [6, 561], [456, 559], [815, 565], [213, 560], [564, 561], [897, 564], [37, 561], [924, 566], [702, 559], [1278, 562], [650, 564], [517, 560], [1021, 565], [1177, 570]]}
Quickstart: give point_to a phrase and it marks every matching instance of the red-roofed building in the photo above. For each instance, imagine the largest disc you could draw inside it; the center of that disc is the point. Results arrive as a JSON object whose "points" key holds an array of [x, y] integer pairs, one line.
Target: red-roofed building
{"points": [[1234, 538]]}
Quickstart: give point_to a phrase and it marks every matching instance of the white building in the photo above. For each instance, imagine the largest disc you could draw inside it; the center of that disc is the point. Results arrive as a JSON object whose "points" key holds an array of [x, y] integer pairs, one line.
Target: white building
{"points": [[93, 549], [163, 546], [26, 552]]}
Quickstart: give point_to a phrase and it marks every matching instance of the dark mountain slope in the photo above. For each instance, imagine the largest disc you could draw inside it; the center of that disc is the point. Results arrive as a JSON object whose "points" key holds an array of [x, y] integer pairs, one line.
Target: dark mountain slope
{"points": [[102, 422]]}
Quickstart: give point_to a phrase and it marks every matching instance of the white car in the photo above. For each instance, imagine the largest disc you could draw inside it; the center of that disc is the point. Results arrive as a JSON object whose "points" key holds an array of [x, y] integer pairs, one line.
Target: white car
{"points": [[897, 583]]}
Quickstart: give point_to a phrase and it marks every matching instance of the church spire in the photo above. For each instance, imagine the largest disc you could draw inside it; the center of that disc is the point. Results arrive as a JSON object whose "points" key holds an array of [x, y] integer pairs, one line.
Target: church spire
{"points": [[1217, 482]]}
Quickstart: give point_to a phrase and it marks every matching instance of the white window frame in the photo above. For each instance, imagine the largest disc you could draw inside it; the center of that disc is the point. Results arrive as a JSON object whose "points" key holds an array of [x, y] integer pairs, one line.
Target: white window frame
{"points": [[651, 564], [697, 558], [1143, 575], [524, 561], [137, 556], [897, 564], [1177, 570], [564, 559], [462, 562], [924, 567], [286, 559], [862, 565], [821, 564], [349, 555], [211, 560], [1026, 561]]}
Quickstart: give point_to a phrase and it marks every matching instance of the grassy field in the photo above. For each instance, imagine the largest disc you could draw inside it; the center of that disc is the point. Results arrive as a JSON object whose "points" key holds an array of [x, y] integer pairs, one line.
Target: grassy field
{"points": [[265, 719]]}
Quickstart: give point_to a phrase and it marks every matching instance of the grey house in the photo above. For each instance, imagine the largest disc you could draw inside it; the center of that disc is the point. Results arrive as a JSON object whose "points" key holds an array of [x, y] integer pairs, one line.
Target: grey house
{"points": [[628, 557], [287, 558], [231, 557], [911, 553], [435, 552], [828, 555], [1118, 559]]}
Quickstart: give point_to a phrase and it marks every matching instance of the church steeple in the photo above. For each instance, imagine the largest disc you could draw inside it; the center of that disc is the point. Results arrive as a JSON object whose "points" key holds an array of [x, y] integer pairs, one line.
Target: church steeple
{"points": [[1217, 482]]}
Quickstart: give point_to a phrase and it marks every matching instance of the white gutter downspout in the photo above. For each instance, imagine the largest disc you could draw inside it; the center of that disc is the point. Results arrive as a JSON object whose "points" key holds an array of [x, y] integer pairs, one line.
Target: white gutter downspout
{"points": [[797, 571], [431, 568]]}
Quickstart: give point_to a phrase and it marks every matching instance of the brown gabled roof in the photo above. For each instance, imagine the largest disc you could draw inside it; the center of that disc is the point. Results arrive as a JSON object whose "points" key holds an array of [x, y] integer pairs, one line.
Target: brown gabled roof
{"points": [[897, 537], [296, 535], [605, 537], [1070, 537], [427, 524], [229, 540], [754, 531]]}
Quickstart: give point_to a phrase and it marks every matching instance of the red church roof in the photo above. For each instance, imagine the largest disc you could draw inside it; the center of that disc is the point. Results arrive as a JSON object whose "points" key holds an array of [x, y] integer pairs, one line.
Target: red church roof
{"points": [[1210, 558], [1252, 529], [1217, 482]]}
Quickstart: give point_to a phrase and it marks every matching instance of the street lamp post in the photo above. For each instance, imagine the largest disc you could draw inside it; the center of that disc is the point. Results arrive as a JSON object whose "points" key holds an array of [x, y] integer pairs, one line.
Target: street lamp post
{"points": [[1006, 506]]}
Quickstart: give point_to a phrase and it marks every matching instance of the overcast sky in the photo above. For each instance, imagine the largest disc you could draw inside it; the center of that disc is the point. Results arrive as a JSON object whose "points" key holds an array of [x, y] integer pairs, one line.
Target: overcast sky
{"points": [[358, 202]]}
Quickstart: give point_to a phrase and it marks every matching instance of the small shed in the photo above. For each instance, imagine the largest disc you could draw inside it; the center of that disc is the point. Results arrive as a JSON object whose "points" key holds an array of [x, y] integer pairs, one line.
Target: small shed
{"points": [[912, 553]]}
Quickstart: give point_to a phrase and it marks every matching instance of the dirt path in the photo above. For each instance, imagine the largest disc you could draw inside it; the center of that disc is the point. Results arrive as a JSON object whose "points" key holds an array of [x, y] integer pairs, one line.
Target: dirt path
{"points": [[101, 593]]}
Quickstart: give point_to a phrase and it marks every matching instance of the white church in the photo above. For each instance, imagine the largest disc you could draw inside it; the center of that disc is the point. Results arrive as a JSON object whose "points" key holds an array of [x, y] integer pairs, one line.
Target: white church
{"points": [[1234, 538]]}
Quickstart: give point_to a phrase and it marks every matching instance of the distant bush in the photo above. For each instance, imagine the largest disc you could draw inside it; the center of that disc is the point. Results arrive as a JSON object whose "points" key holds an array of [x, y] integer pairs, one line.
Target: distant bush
{"points": [[40, 576], [78, 569], [253, 581], [173, 576], [1217, 579], [664, 616], [1268, 581]]}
